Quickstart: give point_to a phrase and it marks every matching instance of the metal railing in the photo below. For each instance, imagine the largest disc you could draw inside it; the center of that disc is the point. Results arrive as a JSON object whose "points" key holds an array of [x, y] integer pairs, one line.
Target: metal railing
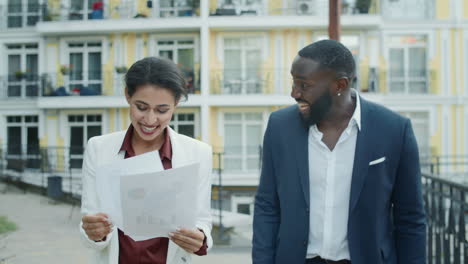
{"points": [[445, 189], [294, 8], [69, 83], [408, 9], [32, 165], [20, 85], [446, 205], [449, 167], [249, 81], [20, 15]]}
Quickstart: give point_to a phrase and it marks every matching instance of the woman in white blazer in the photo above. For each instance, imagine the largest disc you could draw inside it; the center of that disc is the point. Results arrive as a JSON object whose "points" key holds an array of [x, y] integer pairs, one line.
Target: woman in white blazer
{"points": [[154, 87]]}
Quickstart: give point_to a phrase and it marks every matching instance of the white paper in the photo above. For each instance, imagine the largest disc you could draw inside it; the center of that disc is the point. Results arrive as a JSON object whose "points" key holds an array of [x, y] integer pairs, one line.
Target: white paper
{"points": [[108, 181], [146, 201], [155, 204]]}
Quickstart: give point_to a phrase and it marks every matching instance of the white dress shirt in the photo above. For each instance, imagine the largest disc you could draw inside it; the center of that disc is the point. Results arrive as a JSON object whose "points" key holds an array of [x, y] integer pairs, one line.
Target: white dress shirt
{"points": [[330, 175]]}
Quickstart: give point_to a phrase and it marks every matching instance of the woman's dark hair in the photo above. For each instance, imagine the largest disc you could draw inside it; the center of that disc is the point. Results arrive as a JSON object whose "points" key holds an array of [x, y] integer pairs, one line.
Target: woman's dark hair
{"points": [[156, 71]]}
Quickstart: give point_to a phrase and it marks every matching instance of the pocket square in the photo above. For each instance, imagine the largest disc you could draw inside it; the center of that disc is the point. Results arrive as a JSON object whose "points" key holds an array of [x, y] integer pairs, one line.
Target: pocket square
{"points": [[377, 161]]}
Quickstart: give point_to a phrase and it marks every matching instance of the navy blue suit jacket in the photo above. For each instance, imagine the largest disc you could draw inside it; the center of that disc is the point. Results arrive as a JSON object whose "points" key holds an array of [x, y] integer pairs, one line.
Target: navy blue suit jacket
{"points": [[386, 223]]}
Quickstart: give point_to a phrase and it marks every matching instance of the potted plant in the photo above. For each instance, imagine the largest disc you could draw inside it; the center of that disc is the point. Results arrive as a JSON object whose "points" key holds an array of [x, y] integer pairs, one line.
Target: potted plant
{"points": [[20, 75], [363, 6], [120, 69], [75, 91], [65, 69]]}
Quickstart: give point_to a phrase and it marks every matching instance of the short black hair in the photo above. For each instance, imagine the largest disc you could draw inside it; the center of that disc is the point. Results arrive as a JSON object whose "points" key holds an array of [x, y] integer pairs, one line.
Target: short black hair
{"points": [[331, 55], [156, 71]]}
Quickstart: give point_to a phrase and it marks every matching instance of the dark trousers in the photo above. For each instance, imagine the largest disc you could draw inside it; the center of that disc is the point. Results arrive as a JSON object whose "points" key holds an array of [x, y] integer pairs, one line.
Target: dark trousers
{"points": [[315, 261], [318, 260]]}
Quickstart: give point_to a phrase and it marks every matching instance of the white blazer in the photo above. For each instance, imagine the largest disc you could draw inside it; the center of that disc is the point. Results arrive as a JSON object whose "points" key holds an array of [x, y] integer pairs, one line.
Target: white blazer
{"points": [[102, 150]]}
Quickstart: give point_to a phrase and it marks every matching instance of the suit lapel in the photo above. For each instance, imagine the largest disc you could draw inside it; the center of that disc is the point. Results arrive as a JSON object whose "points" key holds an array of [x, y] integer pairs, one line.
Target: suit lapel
{"points": [[301, 137], [179, 158], [179, 155], [361, 156]]}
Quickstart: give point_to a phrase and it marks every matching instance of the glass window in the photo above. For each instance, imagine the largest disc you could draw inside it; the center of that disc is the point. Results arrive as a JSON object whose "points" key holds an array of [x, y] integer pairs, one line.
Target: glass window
{"points": [[85, 68], [408, 65], [179, 8], [23, 70], [21, 13], [420, 123], [242, 66], [185, 124], [182, 52], [408, 9], [23, 143], [243, 134], [82, 128]]}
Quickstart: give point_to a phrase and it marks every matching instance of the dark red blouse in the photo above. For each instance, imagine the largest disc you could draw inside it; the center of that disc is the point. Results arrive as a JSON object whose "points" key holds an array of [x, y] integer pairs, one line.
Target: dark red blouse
{"points": [[151, 251]]}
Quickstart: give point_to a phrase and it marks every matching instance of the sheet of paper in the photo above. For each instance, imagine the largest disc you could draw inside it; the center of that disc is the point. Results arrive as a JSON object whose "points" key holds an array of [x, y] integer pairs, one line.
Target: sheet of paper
{"points": [[155, 204], [146, 201], [108, 182]]}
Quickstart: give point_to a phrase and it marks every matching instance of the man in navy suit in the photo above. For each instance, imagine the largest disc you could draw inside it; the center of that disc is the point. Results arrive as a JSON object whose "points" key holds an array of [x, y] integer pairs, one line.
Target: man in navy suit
{"points": [[340, 181]]}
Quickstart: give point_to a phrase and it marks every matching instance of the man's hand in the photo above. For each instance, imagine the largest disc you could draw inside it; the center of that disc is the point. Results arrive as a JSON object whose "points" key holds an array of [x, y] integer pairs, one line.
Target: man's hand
{"points": [[97, 226], [190, 240]]}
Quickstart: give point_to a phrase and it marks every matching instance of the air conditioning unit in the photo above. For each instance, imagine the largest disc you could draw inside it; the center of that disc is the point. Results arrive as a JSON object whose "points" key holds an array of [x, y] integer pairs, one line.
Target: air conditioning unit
{"points": [[306, 7]]}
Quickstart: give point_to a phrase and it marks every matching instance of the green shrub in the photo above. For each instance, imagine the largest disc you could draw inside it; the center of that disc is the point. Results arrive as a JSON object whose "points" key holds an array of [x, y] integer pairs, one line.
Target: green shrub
{"points": [[6, 225]]}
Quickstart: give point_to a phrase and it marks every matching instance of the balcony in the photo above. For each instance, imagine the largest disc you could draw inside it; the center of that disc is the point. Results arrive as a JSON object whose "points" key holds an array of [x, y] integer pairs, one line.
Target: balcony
{"points": [[232, 14], [249, 81], [62, 89], [91, 12], [290, 8], [20, 85], [445, 192], [408, 9]]}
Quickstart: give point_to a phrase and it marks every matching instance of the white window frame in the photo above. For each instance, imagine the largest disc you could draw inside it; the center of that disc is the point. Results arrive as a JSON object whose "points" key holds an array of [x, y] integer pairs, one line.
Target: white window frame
{"points": [[22, 52], [406, 78], [405, 10], [85, 50], [243, 123], [243, 68], [465, 121], [176, 122], [465, 66], [24, 14], [84, 12], [407, 113], [84, 124], [171, 11], [241, 5], [24, 138], [237, 200], [155, 49]]}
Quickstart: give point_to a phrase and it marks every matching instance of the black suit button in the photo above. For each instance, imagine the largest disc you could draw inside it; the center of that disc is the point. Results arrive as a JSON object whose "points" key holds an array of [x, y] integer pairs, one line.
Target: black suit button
{"points": [[305, 242]]}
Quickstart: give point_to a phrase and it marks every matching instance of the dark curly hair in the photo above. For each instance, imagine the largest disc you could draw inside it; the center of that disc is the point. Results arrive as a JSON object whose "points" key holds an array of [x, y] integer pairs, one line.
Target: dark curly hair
{"points": [[331, 55]]}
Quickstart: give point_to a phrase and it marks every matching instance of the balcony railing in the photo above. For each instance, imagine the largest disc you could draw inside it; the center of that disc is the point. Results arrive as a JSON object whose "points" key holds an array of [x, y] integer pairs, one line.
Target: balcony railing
{"points": [[294, 8], [70, 83], [20, 85], [447, 213], [408, 9], [445, 186], [33, 164], [250, 81], [27, 15]]}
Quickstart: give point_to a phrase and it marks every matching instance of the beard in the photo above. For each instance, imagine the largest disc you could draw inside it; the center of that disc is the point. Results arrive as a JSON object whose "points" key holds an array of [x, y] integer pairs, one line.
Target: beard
{"points": [[318, 110]]}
